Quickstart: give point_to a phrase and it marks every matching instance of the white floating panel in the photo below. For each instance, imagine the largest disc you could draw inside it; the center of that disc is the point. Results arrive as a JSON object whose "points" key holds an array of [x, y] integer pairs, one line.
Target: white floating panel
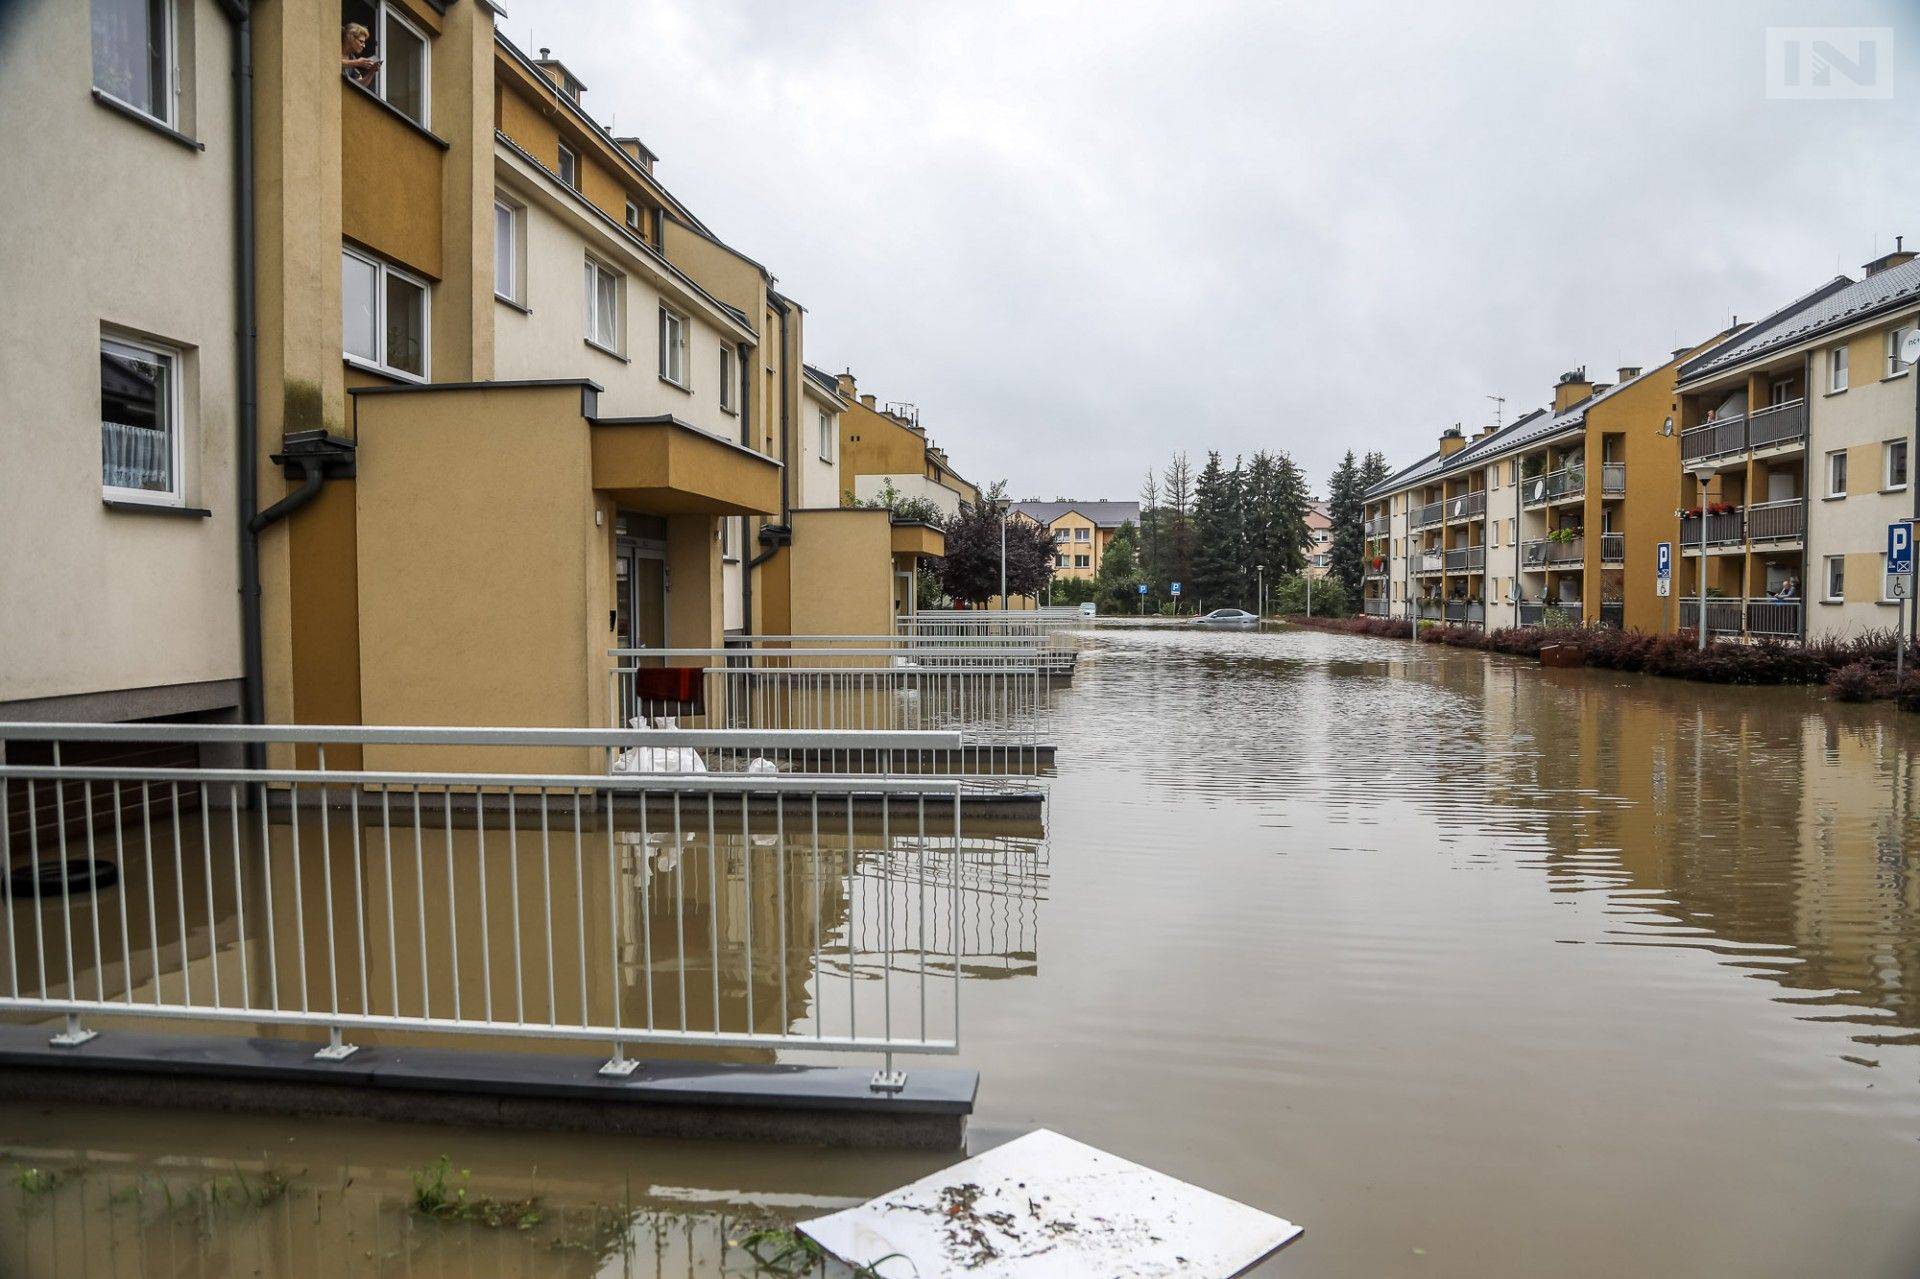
{"points": [[1047, 1205]]}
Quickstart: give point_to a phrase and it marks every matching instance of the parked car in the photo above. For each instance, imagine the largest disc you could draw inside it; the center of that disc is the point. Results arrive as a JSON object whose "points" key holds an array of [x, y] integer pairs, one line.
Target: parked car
{"points": [[1227, 617], [1088, 610]]}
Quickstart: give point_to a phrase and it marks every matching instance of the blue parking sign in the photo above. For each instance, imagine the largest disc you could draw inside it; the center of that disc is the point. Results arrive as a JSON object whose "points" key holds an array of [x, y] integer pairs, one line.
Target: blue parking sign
{"points": [[1900, 548], [1663, 560], [1176, 588], [1143, 588]]}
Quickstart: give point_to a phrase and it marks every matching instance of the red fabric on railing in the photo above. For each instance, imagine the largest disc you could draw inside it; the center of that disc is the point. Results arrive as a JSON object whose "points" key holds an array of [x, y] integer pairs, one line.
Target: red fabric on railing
{"points": [[681, 684]]}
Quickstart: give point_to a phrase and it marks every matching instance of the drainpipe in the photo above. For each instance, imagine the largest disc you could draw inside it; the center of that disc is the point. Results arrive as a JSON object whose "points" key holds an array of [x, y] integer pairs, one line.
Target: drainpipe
{"points": [[247, 496], [1806, 492], [776, 536]]}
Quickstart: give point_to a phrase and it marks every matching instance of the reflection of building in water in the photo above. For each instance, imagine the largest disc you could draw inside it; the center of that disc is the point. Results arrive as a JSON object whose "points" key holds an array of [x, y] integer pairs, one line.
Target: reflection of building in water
{"points": [[1773, 827], [693, 916]]}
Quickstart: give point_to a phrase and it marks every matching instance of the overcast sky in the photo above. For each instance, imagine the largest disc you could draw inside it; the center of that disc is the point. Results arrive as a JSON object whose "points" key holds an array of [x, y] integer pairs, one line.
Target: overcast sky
{"points": [[1082, 235]]}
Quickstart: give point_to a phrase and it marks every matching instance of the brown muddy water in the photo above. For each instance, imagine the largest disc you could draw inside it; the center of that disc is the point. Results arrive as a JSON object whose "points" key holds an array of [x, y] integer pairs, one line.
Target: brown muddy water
{"points": [[1469, 967]]}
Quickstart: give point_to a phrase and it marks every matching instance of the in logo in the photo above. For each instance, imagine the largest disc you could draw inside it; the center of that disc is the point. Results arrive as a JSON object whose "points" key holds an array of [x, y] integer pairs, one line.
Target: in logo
{"points": [[1829, 62]]}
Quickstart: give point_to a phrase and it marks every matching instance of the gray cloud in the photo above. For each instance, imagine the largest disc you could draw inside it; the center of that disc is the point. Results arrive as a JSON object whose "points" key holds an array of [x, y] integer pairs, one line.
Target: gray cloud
{"points": [[1080, 235]]}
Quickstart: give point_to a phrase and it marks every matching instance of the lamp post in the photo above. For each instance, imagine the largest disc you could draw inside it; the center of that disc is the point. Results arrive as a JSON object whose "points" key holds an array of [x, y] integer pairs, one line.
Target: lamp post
{"points": [[1307, 573], [1260, 592], [1702, 474], [1003, 557]]}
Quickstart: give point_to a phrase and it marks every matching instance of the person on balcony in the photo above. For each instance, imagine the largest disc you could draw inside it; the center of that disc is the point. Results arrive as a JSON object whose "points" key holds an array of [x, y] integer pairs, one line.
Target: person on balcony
{"points": [[353, 43], [1789, 589]]}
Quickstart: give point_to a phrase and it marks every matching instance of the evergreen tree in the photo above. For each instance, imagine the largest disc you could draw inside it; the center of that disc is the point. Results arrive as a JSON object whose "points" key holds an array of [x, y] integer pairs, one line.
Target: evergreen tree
{"points": [[1372, 471], [1291, 504], [1347, 511], [1216, 570], [1118, 581]]}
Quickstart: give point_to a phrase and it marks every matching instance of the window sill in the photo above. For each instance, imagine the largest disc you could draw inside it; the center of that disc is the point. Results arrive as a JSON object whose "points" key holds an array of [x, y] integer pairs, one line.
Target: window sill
{"points": [[1895, 377], [607, 351], [508, 302], [140, 117], [1828, 395], [729, 410], [1833, 601], [1834, 497], [154, 508], [1894, 488], [381, 370], [397, 113], [681, 387]]}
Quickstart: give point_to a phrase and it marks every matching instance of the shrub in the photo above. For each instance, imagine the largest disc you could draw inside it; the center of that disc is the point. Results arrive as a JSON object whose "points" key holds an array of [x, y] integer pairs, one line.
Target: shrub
{"points": [[1859, 682]]}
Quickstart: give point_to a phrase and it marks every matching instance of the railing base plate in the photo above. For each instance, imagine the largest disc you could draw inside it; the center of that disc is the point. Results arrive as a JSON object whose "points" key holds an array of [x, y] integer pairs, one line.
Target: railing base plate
{"points": [[889, 1081], [619, 1067], [336, 1052], [72, 1038]]}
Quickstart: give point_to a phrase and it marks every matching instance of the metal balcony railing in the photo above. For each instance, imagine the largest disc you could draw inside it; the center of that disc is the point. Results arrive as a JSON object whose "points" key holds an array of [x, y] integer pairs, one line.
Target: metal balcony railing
{"points": [[1532, 614], [1378, 526], [1613, 548], [1562, 553], [1722, 438], [1784, 521], [1778, 618], [1431, 610], [1726, 529], [1533, 554], [1470, 612], [1555, 486], [1375, 607], [1426, 516], [1467, 506], [1724, 617], [1778, 424], [1613, 478], [1429, 562]]}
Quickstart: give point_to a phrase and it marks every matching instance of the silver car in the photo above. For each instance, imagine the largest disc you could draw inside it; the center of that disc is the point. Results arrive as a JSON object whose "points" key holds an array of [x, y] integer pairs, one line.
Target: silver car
{"points": [[1228, 617]]}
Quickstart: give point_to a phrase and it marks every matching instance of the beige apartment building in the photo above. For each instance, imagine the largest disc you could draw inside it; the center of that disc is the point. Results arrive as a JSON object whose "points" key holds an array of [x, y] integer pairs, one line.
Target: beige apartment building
{"points": [[1081, 531], [1796, 450], [120, 373]]}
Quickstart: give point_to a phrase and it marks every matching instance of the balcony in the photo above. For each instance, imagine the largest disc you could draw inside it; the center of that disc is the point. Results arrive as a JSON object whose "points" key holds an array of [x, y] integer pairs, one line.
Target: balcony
{"points": [[1565, 554], [1778, 426], [1374, 607], [1613, 479], [1375, 572], [1613, 613], [1429, 562], [1724, 617], [1378, 526], [1466, 559], [1723, 531], [1533, 554], [1777, 618], [1426, 516], [1470, 612], [1430, 610], [1613, 548], [1713, 440], [1784, 521], [1535, 614], [1566, 484], [1468, 506]]}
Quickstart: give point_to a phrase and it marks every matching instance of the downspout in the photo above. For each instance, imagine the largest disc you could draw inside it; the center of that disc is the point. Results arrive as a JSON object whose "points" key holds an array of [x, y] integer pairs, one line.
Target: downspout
{"points": [[247, 498], [746, 441], [1806, 494], [773, 539]]}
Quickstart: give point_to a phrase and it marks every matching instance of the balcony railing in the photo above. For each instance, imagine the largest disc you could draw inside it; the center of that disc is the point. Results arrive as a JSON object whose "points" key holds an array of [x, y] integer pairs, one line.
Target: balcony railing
{"points": [[1532, 614], [1613, 613], [1723, 438], [1772, 617], [1467, 506], [1378, 526], [1465, 559], [1613, 548], [1724, 617], [1535, 613], [1613, 478], [1374, 574], [1430, 610], [1471, 612], [1429, 562], [1426, 516], [1555, 486], [1778, 424], [1562, 553], [1533, 554], [1784, 521], [1727, 529], [1375, 607]]}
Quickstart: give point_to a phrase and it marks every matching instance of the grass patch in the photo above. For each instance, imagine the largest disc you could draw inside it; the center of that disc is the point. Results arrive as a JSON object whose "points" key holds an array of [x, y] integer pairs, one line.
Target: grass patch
{"points": [[441, 1197]]}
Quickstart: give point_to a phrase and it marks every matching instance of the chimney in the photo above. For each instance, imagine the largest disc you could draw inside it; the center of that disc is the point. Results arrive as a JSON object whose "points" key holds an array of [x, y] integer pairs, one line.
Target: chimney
{"points": [[847, 388], [1572, 388], [638, 150], [1485, 431], [1900, 255], [1628, 372], [1452, 440], [557, 72], [867, 401]]}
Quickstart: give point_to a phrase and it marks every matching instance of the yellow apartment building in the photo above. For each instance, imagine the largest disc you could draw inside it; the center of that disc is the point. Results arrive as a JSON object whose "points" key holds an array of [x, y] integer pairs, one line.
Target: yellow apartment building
{"points": [[1081, 531]]}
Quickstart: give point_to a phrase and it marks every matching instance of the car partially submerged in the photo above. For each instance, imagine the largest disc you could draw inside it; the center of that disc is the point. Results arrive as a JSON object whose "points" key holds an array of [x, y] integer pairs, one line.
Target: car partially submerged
{"points": [[1228, 617]]}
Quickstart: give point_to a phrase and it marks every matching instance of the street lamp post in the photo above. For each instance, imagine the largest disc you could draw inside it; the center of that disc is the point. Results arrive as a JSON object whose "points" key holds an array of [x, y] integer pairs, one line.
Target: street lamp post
{"points": [[1702, 474], [1260, 592], [1003, 557], [1308, 574]]}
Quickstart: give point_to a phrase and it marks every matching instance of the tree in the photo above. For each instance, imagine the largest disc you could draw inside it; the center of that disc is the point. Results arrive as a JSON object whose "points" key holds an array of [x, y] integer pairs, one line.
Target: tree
{"points": [[1330, 599], [1219, 560], [1118, 581], [1290, 532], [970, 571], [1150, 525], [1176, 540], [1347, 511]]}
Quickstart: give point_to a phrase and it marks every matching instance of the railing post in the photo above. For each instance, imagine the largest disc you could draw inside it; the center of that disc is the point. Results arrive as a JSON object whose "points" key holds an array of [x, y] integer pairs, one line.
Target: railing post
{"points": [[337, 1049], [74, 1035]]}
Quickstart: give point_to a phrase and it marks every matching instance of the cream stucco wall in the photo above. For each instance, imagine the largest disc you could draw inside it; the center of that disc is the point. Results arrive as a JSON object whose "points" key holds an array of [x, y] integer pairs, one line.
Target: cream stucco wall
{"points": [[1503, 563], [1871, 411], [869, 487], [817, 479], [111, 225]]}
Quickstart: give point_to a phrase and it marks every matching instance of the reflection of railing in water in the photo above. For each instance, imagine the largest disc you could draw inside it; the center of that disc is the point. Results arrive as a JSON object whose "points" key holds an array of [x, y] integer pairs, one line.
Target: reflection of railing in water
{"points": [[996, 932], [521, 905]]}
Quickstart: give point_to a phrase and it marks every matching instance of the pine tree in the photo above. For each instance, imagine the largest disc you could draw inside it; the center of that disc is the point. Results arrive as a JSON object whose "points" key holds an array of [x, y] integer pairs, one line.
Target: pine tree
{"points": [[1176, 531], [1347, 511], [1216, 569], [1291, 503], [1150, 527], [1258, 509]]}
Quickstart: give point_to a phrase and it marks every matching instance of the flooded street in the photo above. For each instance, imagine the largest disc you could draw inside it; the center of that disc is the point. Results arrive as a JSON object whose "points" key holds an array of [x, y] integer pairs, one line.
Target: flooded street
{"points": [[1469, 967]]}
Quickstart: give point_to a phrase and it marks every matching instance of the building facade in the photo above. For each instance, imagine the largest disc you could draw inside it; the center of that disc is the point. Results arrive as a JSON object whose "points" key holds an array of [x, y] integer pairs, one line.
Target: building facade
{"points": [[1081, 531]]}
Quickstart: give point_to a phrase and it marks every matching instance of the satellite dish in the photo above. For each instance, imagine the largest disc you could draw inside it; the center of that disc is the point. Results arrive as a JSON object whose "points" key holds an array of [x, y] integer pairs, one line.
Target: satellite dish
{"points": [[1910, 347]]}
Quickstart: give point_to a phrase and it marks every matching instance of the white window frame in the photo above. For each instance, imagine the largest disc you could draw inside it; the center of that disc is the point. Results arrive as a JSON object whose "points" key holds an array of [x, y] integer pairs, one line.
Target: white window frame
{"points": [[1896, 367], [168, 95], [1887, 447], [1841, 456], [1827, 565], [176, 422], [673, 357], [387, 13], [612, 343], [633, 217], [381, 270], [729, 377], [827, 436], [516, 255], [1083, 561], [729, 553], [1083, 534], [563, 154], [1837, 361]]}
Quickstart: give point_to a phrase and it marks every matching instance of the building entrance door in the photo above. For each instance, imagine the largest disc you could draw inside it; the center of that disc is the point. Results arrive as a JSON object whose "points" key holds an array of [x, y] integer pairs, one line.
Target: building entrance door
{"points": [[639, 597]]}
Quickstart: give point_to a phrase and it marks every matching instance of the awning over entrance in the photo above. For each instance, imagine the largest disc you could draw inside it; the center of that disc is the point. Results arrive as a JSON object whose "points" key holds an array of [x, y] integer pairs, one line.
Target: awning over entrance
{"points": [[663, 465]]}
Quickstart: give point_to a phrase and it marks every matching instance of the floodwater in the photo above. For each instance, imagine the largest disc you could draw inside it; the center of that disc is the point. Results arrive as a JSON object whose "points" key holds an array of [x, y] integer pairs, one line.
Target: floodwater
{"points": [[1469, 967]]}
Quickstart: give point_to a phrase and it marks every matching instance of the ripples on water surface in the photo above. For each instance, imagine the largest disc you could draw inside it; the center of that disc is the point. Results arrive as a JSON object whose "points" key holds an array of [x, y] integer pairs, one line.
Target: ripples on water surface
{"points": [[1470, 967]]}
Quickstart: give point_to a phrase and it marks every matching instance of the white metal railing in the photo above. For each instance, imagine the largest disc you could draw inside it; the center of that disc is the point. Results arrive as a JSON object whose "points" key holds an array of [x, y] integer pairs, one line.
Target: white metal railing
{"points": [[135, 457], [1058, 627], [998, 699], [715, 911]]}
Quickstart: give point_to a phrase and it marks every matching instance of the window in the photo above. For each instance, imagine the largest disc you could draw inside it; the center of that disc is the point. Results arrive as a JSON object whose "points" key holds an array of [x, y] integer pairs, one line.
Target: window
{"points": [[1837, 369], [133, 59], [1493, 533], [727, 551], [1781, 391], [507, 277], [633, 217], [1062, 535], [1510, 533], [1080, 561], [1893, 465], [1836, 578], [383, 316], [402, 77], [603, 306], [140, 448], [827, 440], [1083, 535], [673, 347], [1895, 336], [727, 378], [1837, 473], [1059, 561], [569, 167]]}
